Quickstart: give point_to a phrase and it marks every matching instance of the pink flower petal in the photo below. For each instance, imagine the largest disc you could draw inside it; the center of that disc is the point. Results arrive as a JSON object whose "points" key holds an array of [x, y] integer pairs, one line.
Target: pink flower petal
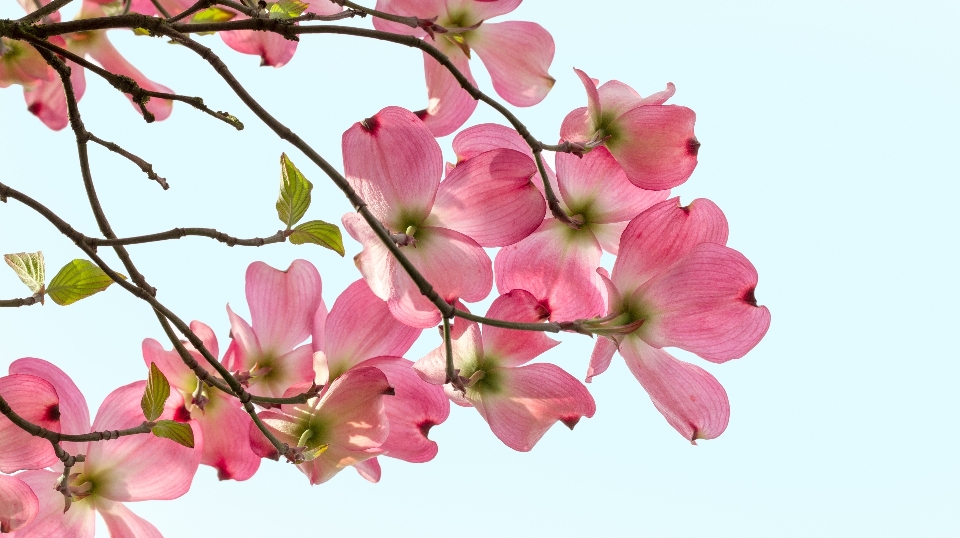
{"points": [[285, 371], [395, 165], [226, 444], [51, 521], [521, 78], [491, 199], [594, 106], [485, 137], [467, 348], [129, 464], [282, 304], [691, 400], [603, 351], [244, 347], [705, 304], [18, 504], [617, 98], [323, 7], [578, 126], [449, 105], [526, 401], [510, 347], [424, 9], [608, 235], [74, 414], [122, 523], [558, 266], [415, 407], [273, 49], [110, 58], [481, 10], [170, 363], [47, 101], [35, 400], [360, 327], [663, 234], [369, 470], [656, 145], [319, 337], [596, 187]]}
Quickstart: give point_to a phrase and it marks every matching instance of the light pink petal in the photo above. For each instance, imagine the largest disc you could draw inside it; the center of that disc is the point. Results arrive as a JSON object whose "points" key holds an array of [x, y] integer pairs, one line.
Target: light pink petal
{"points": [[608, 235], [558, 266], [282, 304], [319, 330], [510, 347], [244, 346], [705, 304], [663, 234], [691, 400], [577, 126], [51, 521], [478, 139], [285, 371], [323, 7], [35, 400], [279, 424], [517, 55], [661, 96], [594, 106], [424, 9], [352, 409], [467, 348], [46, 99], [18, 504], [596, 186], [109, 57], [617, 98], [415, 407], [122, 523], [207, 336], [491, 199], [656, 145], [481, 10], [74, 414], [273, 49], [171, 364], [600, 359], [360, 327], [130, 463], [449, 106], [369, 470], [332, 461], [375, 262], [394, 163], [528, 400], [226, 444]]}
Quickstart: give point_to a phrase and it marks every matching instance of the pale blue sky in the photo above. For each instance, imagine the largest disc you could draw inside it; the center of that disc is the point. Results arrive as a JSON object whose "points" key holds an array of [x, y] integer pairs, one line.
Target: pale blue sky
{"points": [[828, 132]]}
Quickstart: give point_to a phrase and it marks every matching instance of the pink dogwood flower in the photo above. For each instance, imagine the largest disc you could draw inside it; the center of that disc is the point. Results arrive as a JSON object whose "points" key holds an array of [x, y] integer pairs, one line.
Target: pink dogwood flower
{"points": [[520, 403], [517, 55], [395, 165], [18, 504], [225, 425], [675, 276], [274, 50], [270, 353], [558, 263], [653, 142], [346, 424], [359, 332], [35, 400], [22, 64], [134, 468]]}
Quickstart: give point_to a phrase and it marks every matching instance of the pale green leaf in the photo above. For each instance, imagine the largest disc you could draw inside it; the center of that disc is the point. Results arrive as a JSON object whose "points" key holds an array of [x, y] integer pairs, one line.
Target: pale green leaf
{"points": [[29, 267], [77, 280], [155, 395], [294, 193], [213, 14], [286, 9], [178, 432], [319, 233]]}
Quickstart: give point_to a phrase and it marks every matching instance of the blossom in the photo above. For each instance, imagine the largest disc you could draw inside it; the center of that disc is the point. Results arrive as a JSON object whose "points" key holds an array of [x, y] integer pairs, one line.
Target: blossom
{"points": [[653, 142], [224, 423], [35, 400], [344, 425], [520, 403], [274, 50], [394, 164], [676, 278], [270, 352], [359, 332], [18, 504], [133, 468], [517, 55]]}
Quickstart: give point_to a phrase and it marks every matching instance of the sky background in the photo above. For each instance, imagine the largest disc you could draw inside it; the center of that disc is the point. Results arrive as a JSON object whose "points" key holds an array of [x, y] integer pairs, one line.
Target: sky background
{"points": [[829, 136]]}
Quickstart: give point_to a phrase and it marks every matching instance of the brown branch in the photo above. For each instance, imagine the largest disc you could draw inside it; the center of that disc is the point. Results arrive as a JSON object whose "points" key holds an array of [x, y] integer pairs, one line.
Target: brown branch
{"points": [[56, 437], [177, 233], [48, 9], [146, 167], [26, 301]]}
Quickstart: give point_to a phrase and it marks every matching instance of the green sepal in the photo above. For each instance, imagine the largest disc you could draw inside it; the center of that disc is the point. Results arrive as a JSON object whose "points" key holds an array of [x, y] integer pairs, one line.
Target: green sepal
{"points": [[77, 280], [294, 193], [319, 233], [29, 267], [178, 432], [155, 395]]}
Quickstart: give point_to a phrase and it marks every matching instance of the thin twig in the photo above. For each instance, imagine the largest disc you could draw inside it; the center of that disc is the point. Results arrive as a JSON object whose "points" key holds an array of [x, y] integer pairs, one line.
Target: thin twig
{"points": [[43, 11], [177, 233], [26, 301], [146, 167]]}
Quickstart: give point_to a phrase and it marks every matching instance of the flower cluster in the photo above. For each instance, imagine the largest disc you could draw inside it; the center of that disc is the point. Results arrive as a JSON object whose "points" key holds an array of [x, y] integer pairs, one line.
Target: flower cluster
{"points": [[330, 389]]}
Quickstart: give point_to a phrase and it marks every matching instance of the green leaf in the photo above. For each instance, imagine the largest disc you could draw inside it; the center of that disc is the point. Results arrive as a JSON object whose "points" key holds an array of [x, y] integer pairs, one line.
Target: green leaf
{"points": [[29, 267], [294, 193], [286, 9], [319, 233], [77, 280], [155, 395], [213, 14], [178, 432]]}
